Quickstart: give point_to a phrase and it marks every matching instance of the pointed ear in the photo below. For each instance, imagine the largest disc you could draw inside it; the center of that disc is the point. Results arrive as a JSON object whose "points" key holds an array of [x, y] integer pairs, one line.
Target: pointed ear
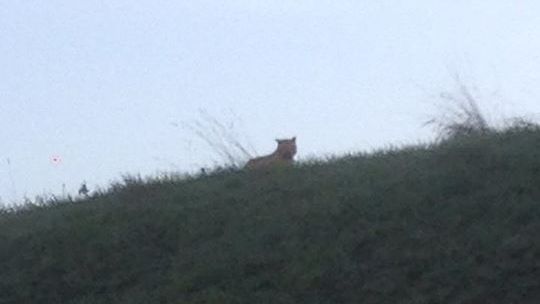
{"points": [[294, 138], [278, 141]]}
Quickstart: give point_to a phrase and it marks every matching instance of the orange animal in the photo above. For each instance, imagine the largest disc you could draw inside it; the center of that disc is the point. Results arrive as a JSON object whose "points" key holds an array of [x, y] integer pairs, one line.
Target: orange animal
{"points": [[284, 154]]}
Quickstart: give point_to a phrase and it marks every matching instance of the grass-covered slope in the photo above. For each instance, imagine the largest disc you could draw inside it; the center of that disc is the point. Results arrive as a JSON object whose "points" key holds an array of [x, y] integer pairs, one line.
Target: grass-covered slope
{"points": [[456, 222]]}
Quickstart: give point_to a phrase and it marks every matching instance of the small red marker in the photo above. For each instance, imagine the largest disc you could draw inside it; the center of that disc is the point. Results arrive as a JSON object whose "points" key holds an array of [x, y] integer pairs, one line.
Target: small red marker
{"points": [[56, 159]]}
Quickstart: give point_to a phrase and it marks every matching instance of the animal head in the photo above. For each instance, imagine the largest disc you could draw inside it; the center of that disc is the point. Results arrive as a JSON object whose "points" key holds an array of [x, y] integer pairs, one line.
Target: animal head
{"points": [[286, 148]]}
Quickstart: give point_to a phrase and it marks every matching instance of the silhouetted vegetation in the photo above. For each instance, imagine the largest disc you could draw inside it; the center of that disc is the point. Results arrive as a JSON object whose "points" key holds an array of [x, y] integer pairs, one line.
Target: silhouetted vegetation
{"points": [[221, 138], [461, 114]]}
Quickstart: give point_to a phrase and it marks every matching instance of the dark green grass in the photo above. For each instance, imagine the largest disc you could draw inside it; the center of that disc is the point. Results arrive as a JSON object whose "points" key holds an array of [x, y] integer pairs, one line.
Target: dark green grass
{"points": [[452, 222]]}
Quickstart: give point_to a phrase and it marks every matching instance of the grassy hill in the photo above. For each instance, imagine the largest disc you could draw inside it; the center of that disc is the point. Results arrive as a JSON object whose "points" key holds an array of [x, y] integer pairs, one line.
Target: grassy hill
{"points": [[452, 222]]}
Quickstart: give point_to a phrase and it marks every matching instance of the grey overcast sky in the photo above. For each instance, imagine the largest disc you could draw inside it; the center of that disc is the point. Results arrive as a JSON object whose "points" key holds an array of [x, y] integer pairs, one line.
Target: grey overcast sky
{"points": [[103, 84]]}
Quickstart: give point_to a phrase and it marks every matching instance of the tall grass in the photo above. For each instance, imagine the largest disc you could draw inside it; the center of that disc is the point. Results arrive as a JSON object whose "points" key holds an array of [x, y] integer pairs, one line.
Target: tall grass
{"points": [[461, 114], [221, 138]]}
